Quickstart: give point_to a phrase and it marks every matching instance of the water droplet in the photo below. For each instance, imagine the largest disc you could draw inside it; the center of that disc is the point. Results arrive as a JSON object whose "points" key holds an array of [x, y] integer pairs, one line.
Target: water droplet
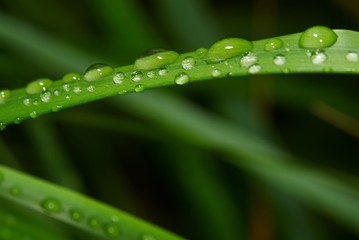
{"points": [[56, 108], [17, 120], [248, 60], [139, 88], [68, 97], [15, 191], [90, 88], [94, 223], [182, 78], [2, 177], [118, 78], [97, 71], [57, 92], [2, 128], [51, 205], [319, 58], [162, 71], [317, 37], [151, 74], [137, 76], [71, 77], [66, 87], [35, 102], [352, 57], [45, 97], [155, 59], [38, 86], [77, 89], [188, 63], [34, 114], [279, 60], [228, 48], [216, 73], [27, 102], [112, 230], [254, 69], [76, 215], [273, 44], [200, 52], [4, 95], [122, 92]]}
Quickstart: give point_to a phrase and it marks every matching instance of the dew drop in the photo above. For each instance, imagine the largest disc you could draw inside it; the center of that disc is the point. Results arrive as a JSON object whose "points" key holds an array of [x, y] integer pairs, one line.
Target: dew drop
{"points": [[352, 57], [97, 71], [273, 44], [56, 108], [216, 73], [76, 215], [27, 102], [317, 37], [228, 48], [162, 72], [188, 63], [90, 88], [122, 92], [51, 205], [200, 52], [112, 230], [147, 237], [137, 76], [68, 97], [71, 77], [57, 92], [15, 191], [2, 128], [118, 77], [38, 86], [139, 88], [254, 69], [77, 90], [151, 74], [4, 95], [155, 59], [319, 58], [248, 60], [279, 60], [94, 223], [34, 114], [66, 87], [17, 120], [182, 78], [45, 97]]}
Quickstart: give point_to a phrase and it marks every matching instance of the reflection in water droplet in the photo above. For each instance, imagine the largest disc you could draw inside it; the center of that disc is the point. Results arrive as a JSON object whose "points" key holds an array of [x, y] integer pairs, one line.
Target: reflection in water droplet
{"points": [[38, 86], [317, 37], [112, 230], [71, 77], [137, 76], [182, 78], [188, 63], [156, 59], [51, 205], [248, 60], [45, 97], [279, 60], [273, 44], [118, 78], [352, 57], [254, 69], [139, 88], [319, 58], [4, 95], [97, 71], [76, 215]]}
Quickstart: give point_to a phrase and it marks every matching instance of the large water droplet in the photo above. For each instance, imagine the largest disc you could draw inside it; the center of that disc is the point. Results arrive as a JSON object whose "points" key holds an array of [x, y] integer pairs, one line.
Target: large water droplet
{"points": [[4, 95], [248, 60], [94, 223], [182, 78], [279, 60], [319, 58], [273, 44], [137, 76], [317, 37], [118, 78], [352, 57], [254, 69], [155, 59], [139, 88], [76, 215], [38, 86], [15, 191], [112, 230], [51, 205], [188, 63], [228, 48], [71, 77], [97, 71], [45, 97]]}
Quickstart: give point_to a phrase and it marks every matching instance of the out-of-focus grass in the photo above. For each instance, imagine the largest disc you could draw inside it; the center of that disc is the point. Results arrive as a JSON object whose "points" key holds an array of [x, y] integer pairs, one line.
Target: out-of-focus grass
{"points": [[151, 172]]}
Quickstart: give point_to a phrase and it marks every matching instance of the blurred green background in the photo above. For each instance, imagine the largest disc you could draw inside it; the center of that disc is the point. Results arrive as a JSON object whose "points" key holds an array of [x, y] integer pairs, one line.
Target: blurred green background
{"points": [[124, 152]]}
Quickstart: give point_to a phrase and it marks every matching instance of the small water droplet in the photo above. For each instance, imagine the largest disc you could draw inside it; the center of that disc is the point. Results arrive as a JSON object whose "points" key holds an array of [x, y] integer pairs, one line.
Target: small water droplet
{"points": [[94, 223], [112, 230], [15, 191], [273, 44], [228, 48], [122, 92], [248, 60], [27, 102], [4, 95], [151, 74], [254, 69], [51, 205], [118, 77], [155, 59], [139, 88], [77, 90], [18, 120], [188, 63], [319, 58], [182, 78], [56, 108], [57, 92], [66, 87], [279, 60], [317, 37], [2, 128], [352, 57], [34, 114], [45, 97], [76, 215], [68, 97], [216, 73], [38, 86], [200, 52], [2, 177], [162, 72], [147, 237], [97, 71], [90, 88], [71, 77], [137, 76]]}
